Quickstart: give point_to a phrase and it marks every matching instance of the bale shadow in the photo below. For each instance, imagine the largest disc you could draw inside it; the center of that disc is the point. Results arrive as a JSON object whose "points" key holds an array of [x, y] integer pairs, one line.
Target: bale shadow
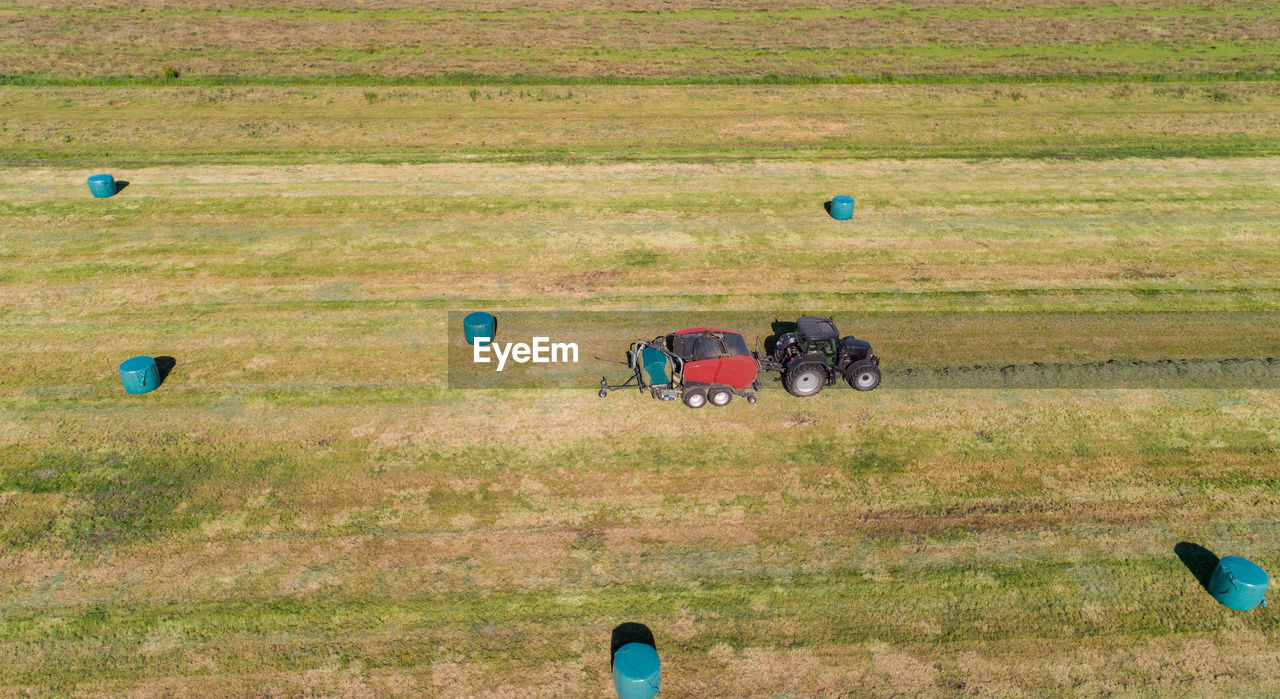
{"points": [[826, 205], [120, 185], [1199, 560], [164, 365], [629, 632]]}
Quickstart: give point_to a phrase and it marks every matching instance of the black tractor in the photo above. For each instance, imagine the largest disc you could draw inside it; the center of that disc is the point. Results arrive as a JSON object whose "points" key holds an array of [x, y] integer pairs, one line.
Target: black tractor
{"points": [[813, 355]]}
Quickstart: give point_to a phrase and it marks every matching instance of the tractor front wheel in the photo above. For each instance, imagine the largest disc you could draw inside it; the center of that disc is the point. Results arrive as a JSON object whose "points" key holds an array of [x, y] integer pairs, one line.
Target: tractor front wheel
{"points": [[863, 376], [695, 397], [719, 396], [805, 380]]}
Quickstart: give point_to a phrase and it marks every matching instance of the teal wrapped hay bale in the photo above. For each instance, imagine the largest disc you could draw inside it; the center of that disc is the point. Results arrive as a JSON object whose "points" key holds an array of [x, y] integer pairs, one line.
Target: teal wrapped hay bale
{"points": [[1239, 584], [655, 365], [139, 374], [636, 671], [479, 325], [842, 208], [102, 186]]}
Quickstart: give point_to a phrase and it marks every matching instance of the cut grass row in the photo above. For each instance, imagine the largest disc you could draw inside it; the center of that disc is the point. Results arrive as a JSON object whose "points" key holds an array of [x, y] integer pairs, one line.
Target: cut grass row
{"points": [[176, 78], [917, 7], [117, 127], [1047, 41], [1129, 10], [1143, 235]]}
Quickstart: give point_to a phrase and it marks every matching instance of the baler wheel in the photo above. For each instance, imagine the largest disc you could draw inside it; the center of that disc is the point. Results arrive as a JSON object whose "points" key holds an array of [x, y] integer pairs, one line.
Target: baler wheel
{"points": [[719, 396], [695, 397]]}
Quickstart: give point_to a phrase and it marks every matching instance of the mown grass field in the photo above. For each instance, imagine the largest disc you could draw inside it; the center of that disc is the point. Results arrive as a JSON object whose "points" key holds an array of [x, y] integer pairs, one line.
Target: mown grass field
{"points": [[574, 124], [306, 507], [636, 40]]}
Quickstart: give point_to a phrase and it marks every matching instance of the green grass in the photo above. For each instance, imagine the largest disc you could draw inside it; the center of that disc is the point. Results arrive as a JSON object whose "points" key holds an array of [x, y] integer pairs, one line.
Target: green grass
{"points": [[464, 79], [379, 556], [646, 42], [124, 127], [941, 235], [306, 506]]}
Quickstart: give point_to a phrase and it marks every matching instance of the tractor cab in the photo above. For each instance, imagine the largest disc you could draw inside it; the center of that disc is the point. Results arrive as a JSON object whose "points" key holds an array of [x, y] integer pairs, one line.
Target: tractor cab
{"points": [[816, 335], [819, 336]]}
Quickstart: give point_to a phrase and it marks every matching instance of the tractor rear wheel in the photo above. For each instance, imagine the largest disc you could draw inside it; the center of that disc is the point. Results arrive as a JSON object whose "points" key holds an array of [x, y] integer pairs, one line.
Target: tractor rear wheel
{"points": [[695, 397], [862, 376], [719, 396], [805, 379]]}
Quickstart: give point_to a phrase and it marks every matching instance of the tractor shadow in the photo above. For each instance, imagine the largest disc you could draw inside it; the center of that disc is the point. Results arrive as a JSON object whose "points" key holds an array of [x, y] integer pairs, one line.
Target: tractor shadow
{"points": [[1199, 560], [779, 328], [164, 365], [629, 632]]}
